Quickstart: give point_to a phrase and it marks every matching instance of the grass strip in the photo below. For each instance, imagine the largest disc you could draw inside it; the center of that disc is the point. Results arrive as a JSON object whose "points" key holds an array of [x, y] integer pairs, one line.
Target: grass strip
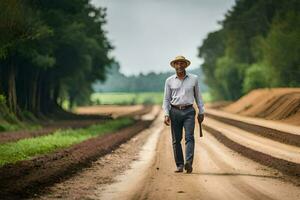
{"points": [[29, 147], [132, 98]]}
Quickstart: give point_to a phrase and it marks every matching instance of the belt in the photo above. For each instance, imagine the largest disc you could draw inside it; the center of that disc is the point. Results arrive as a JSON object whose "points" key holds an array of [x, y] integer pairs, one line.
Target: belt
{"points": [[182, 107]]}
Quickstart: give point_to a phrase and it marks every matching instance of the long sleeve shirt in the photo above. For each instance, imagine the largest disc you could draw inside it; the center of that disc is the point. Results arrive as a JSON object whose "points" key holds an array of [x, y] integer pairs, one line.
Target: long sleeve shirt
{"points": [[182, 92]]}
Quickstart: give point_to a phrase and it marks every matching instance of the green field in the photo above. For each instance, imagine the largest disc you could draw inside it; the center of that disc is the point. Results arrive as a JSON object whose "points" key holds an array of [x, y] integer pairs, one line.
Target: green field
{"points": [[121, 98]]}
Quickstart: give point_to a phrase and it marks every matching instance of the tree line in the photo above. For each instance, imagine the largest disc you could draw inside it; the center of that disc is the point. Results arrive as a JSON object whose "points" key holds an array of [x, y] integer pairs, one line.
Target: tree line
{"points": [[143, 82], [258, 46], [50, 51]]}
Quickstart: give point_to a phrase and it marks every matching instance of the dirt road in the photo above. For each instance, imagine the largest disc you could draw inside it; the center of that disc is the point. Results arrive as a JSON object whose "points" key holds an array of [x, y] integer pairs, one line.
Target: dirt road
{"points": [[219, 173], [143, 169]]}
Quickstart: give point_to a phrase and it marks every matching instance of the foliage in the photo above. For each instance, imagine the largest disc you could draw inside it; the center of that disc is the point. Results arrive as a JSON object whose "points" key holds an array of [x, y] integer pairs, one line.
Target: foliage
{"points": [[282, 50], [256, 76], [257, 46], [225, 70], [50, 51]]}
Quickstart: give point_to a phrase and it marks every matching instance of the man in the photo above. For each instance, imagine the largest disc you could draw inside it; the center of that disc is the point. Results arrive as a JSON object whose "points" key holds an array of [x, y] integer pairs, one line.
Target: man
{"points": [[181, 89]]}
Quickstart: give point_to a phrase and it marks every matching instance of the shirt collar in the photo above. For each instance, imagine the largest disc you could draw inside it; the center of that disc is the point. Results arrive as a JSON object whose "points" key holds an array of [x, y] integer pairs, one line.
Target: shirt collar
{"points": [[186, 75]]}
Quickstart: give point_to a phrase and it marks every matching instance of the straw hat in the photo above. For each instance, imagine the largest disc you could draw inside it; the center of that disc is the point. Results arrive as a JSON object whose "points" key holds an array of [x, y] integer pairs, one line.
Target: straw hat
{"points": [[180, 58]]}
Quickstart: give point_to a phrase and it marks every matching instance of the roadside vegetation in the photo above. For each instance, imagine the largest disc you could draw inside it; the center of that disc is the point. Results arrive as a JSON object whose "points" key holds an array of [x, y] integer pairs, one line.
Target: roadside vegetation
{"points": [[10, 122], [29, 147]]}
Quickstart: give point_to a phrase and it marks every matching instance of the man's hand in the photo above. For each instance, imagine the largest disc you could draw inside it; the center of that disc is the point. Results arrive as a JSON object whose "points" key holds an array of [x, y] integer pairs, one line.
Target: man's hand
{"points": [[200, 118], [167, 120]]}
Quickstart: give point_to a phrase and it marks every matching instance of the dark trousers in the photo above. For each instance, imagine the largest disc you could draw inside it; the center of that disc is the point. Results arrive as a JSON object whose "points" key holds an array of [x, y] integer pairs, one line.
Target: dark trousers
{"points": [[183, 119]]}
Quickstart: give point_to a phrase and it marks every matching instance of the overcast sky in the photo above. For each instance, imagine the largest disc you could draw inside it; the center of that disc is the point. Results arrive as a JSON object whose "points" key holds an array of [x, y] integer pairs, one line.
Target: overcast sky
{"points": [[147, 34]]}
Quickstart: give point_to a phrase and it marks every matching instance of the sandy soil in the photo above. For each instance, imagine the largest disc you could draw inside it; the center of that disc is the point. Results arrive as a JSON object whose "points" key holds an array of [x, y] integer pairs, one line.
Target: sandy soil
{"points": [[29, 177], [219, 173], [143, 168], [275, 130], [275, 104], [26, 177], [89, 182], [277, 149], [113, 110]]}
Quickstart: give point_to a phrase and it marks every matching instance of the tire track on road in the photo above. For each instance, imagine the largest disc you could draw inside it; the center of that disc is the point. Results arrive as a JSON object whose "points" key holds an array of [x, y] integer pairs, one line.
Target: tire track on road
{"points": [[235, 180]]}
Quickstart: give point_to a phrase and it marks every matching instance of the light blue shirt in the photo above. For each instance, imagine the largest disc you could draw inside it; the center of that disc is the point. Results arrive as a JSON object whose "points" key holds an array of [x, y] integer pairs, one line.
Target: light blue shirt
{"points": [[182, 92]]}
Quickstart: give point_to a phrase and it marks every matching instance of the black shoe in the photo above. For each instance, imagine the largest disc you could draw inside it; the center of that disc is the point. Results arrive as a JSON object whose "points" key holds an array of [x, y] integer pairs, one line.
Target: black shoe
{"points": [[179, 169], [188, 167]]}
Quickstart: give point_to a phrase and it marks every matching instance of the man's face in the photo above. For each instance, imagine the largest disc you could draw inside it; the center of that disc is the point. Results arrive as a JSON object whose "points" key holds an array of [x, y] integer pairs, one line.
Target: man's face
{"points": [[180, 66]]}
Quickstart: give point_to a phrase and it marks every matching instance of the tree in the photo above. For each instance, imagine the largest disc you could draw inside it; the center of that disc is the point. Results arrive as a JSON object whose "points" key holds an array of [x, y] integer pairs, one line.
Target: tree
{"points": [[281, 50], [257, 36], [50, 51]]}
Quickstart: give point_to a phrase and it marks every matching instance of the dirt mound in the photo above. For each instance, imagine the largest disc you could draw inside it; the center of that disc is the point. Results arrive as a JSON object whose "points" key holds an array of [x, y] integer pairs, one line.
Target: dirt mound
{"points": [[275, 104]]}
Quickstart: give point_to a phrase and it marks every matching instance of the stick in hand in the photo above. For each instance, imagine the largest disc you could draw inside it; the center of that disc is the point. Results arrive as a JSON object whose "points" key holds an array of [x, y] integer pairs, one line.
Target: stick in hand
{"points": [[200, 120]]}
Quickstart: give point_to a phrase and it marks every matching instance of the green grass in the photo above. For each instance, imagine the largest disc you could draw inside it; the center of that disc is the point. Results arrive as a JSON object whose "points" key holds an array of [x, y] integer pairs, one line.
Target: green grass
{"points": [[121, 98], [10, 122], [27, 148], [5, 126]]}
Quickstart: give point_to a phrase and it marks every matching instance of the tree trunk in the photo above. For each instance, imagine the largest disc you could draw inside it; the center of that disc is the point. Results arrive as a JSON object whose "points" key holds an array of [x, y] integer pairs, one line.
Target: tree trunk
{"points": [[71, 102], [32, 100], [46, 93], [1, 79], [11, 90], [56, 92]]}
